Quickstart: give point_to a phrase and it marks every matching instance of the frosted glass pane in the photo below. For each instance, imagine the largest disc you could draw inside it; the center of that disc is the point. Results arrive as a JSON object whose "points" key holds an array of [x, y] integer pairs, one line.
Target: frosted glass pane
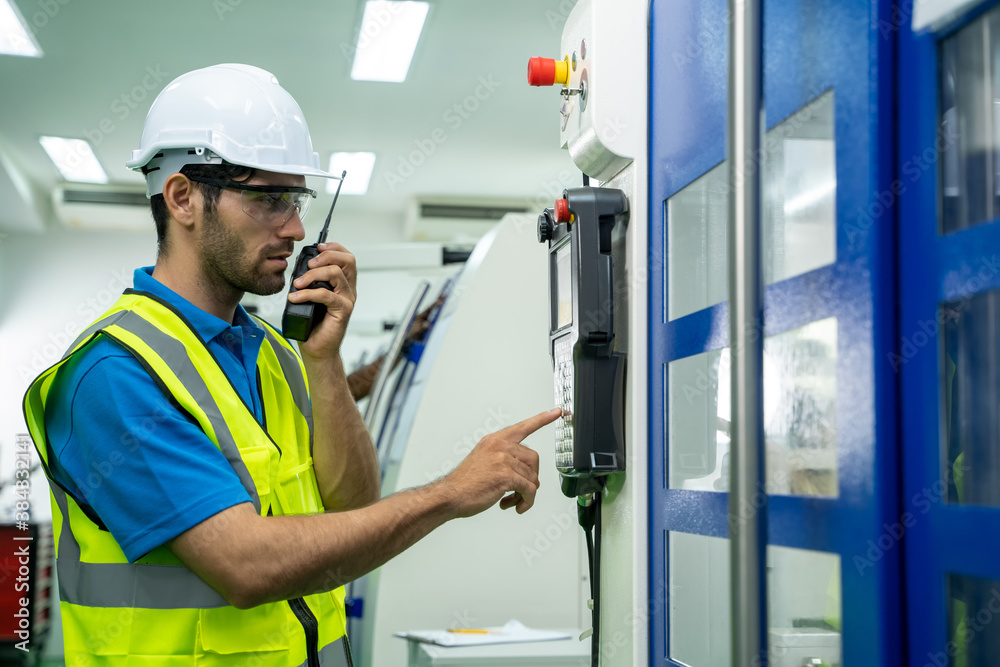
{"points": [[798, 214], [803, 608], [800, 400], [697, 233], [803, 601], [799, 188], [800, 410], [698, 622]]}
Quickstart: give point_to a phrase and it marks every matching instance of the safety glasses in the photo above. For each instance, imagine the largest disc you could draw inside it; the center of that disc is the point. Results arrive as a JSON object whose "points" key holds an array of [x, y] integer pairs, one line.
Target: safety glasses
{"points": [[269, 204]]}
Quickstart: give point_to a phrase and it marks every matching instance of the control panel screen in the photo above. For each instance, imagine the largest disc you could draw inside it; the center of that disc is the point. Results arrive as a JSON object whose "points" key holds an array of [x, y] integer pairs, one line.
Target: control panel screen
{"points": [[564, 287]]}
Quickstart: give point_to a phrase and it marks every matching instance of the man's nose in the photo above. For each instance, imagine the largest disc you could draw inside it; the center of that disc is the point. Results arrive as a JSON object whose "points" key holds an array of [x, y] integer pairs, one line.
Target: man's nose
{"points": [[293, 227]]}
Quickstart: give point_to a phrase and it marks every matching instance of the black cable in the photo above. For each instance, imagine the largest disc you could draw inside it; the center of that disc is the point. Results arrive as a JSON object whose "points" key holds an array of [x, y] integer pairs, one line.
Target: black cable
{"points": [[586, 181], [590, 559], [595, 643]]}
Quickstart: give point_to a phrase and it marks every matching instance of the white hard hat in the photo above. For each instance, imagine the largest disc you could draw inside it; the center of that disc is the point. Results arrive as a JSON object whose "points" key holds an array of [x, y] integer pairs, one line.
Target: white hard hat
{"points": [[233, 113]]}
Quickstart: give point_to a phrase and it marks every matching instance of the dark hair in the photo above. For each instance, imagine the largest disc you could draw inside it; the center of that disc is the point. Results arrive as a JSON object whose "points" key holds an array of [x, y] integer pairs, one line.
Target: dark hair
{"points": [[211, 193]]}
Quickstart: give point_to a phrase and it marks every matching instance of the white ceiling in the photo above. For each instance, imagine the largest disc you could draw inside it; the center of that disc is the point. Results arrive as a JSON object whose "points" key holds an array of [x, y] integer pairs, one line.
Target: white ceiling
{"points": [[96, 52]]}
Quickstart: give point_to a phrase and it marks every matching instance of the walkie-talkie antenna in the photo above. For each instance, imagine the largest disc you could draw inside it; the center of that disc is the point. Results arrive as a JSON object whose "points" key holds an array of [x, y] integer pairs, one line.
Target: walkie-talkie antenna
{"points": [[326, 225]]}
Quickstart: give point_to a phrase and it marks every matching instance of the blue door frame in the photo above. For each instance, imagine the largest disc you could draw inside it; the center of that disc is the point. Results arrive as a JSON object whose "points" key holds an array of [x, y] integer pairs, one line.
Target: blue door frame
{"points": [[809, 48], [945, 538]]}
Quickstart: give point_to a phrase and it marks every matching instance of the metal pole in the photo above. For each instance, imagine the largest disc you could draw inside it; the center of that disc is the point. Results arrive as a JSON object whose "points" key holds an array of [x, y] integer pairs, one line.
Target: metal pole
{"points": [[747, 501]]}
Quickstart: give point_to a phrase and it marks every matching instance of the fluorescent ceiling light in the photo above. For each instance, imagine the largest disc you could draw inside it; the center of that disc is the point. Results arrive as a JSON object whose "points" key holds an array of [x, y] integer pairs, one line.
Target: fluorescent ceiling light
{"points": [[15, 38], [359, 171], [75, 159], [389, 35]]}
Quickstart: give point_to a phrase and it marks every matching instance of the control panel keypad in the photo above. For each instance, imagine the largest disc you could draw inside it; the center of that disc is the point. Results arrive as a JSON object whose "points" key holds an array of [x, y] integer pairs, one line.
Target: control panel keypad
{"points": [[562, 355]]}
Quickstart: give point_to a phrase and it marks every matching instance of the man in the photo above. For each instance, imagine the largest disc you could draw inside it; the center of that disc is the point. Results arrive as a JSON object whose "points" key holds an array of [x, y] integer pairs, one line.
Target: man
{"points": [[209, 502]]}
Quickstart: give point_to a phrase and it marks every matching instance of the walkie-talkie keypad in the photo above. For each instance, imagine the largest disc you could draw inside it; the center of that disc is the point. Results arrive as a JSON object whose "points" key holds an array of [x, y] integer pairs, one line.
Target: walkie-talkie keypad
{"points": [[562, 353]]}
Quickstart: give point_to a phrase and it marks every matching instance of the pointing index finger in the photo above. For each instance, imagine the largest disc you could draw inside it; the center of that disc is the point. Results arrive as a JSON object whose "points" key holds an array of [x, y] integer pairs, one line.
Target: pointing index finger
{"points": [[522, 429]]}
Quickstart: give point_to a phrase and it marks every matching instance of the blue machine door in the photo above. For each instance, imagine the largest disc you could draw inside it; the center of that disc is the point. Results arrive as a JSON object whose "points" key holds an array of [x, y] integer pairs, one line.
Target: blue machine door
{"points": [[830, 395], [949, 349]]}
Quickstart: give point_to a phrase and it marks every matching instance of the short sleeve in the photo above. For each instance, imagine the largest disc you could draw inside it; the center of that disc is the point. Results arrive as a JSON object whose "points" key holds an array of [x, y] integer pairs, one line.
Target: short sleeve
{"points": [[125, 450]]}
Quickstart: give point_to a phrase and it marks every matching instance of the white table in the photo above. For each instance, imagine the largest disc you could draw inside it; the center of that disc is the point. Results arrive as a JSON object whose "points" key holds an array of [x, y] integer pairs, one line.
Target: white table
{"points": [[559, 653]]}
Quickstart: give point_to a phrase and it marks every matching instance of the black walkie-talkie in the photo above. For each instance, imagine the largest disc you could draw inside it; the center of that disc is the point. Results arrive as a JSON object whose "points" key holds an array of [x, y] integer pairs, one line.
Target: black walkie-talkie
{"points": [[298, 320]]}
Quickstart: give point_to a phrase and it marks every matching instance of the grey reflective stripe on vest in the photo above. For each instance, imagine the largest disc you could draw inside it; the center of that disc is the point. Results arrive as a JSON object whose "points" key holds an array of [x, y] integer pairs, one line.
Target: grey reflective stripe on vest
{"points": [[290, 368], [174, 354], [333, 654], [94, 328], [123, 584]]}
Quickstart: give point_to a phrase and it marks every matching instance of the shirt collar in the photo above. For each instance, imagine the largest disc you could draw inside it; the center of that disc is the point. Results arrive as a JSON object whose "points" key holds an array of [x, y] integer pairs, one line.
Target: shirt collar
{"points": [[206, 325]]}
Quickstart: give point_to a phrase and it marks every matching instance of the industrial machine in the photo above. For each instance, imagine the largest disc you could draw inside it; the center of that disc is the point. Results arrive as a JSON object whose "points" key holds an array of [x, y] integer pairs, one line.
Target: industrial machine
{"points": [[596, 238]]}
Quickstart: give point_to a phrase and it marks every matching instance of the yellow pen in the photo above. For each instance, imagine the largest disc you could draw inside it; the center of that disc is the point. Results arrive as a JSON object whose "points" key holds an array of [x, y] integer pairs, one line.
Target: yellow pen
{"points": [[470, 631]]}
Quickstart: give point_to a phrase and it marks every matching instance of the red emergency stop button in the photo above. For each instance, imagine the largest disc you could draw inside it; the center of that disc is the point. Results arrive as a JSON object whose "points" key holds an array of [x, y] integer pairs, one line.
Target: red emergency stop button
{"points": [[547, 71], [562, 213]]}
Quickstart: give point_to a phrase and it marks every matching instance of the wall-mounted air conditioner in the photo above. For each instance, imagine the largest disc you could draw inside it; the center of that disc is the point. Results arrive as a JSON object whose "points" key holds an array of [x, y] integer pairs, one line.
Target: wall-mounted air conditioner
{"points": [[456, 220], [119, 207]]}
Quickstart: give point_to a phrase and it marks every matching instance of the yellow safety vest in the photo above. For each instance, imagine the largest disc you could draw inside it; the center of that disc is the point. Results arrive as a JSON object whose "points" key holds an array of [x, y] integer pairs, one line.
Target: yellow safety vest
{"points": [[156, 612]]}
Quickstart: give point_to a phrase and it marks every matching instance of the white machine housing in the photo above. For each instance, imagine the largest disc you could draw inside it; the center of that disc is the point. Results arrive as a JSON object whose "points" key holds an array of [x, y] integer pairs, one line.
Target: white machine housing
{"points": [[607, 140], [607, 40]]}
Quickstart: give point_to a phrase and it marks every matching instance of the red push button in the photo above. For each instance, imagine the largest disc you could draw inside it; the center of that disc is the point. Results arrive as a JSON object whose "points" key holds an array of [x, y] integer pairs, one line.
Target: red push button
{"points": [[547, 72], [562, 211]]}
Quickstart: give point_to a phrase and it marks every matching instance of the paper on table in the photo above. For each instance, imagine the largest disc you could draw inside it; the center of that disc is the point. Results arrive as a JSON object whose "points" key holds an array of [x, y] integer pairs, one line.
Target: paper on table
{"points": [[511, 633]]}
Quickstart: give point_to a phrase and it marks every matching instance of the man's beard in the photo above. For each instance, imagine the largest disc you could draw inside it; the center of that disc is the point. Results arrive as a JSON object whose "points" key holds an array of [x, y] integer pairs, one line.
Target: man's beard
{"points": [[226, 260]]}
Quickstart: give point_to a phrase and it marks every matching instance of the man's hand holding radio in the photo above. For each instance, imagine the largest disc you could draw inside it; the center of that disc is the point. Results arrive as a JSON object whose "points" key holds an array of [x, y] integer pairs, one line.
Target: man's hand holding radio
{"points": [[337, 266]]}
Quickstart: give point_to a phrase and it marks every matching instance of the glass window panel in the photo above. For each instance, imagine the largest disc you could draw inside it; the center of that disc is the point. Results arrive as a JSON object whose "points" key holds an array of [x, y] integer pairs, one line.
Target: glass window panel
{"points": [[699, 622], [799, 222], [974, 635], [698, 428], [970, 394], [803, 607], [968, 127], [697, 232], [799, 188], [800, 395], [800, 406]]}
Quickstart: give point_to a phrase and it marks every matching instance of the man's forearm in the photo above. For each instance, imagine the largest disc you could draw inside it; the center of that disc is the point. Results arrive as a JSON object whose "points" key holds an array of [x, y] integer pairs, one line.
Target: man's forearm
{"points": [[252, 559], [266, 559], [343, 454]]}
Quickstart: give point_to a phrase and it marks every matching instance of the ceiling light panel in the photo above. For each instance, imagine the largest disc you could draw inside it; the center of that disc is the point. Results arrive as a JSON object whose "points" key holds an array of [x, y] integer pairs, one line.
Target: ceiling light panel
{"points": [[15, 38], [359, 168], [75, 159], [388, 37]]}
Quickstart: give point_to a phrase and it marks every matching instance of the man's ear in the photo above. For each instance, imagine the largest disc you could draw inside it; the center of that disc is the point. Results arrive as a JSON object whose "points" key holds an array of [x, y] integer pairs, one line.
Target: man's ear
{"points": [[182, 201]]}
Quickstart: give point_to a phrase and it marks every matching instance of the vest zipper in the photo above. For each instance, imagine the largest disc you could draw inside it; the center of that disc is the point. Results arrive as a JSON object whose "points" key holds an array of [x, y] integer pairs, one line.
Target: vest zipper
{"points": [[309, 624], [311, 627]]}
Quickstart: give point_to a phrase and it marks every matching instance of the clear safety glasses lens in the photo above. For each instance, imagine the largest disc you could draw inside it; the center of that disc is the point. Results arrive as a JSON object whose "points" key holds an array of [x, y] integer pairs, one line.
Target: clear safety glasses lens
{"points": [[275, 208]]}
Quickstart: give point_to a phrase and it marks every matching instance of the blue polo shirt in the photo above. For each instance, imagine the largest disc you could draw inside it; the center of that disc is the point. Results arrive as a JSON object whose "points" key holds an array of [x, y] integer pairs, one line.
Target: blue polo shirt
{"points": [[122, 448]]}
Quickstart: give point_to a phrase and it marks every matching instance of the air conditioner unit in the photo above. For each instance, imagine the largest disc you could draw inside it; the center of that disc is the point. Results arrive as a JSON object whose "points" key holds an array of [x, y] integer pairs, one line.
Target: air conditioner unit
{"points": [[118, 207], [456, 220]]}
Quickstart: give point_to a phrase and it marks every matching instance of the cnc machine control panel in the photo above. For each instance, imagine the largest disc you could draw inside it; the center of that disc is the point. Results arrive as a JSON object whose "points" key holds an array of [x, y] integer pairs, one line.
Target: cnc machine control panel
{"points": [[588, 374]]}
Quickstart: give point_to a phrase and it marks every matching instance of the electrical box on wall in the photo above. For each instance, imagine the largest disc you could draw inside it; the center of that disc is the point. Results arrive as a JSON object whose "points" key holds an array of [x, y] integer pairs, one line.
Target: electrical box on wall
{"points": [[601, 67]]}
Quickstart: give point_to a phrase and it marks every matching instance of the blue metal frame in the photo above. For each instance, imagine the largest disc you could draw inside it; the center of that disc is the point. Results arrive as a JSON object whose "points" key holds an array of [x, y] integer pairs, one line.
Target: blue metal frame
{"points": [[809, 48], [934, 268]]}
